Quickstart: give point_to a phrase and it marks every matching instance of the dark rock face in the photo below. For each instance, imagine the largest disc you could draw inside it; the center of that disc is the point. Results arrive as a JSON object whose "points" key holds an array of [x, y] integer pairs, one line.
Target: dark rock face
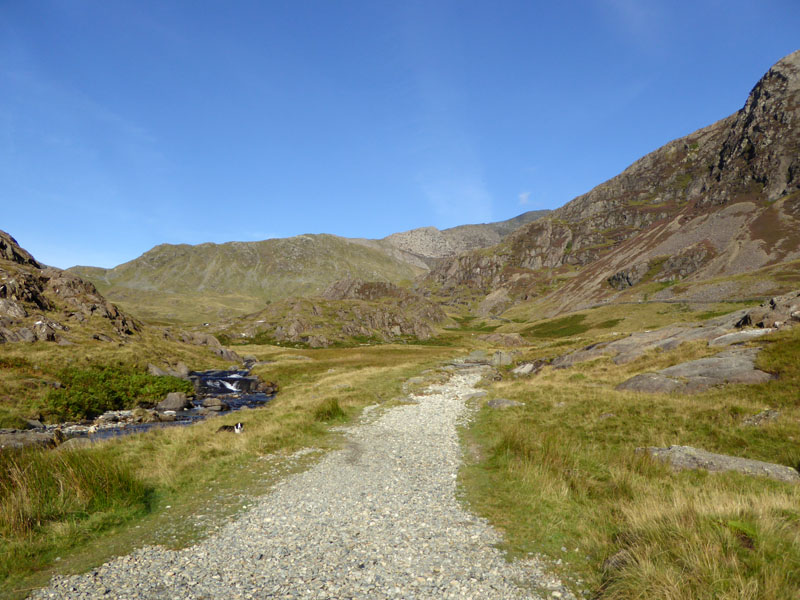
{"points": [[754, 149], [10, 250], [31, 295], [628, 277]]}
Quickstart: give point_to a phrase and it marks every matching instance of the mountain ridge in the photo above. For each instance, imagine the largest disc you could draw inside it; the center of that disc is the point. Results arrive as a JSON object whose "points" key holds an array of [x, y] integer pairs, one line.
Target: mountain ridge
{"points": [[719, 202], [203, 282]]}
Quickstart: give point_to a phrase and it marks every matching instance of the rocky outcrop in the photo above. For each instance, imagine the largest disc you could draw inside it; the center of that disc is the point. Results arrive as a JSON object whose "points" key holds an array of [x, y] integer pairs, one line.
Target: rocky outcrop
{"points": [[686, 457], [10, 250], [495, 303], [432, 243], [38, 303], [780, 311], [358, 289], [353, 311], [629, 277], [721, 201], [732, 366]]}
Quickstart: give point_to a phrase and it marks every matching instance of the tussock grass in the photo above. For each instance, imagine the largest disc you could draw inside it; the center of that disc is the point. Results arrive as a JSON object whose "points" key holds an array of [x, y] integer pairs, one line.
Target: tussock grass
{"points": [[562, 472], [64, 496]]}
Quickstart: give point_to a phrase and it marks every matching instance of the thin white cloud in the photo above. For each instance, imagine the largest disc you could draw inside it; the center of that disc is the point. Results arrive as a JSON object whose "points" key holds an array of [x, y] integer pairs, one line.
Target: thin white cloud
{"points": [[639, 20], [524, 198], [458, 200]]}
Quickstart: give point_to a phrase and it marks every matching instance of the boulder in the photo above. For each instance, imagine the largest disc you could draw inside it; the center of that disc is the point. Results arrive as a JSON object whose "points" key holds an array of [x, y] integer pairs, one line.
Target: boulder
{"points": [[25, 335], [528, 368], [174, 401], [27, 439], [501, 359], [765, 416], [227, 354], [75, 442], [267, 387], [732, 366], [156, 371], [215, 404], [686, 457], [11, 309]]}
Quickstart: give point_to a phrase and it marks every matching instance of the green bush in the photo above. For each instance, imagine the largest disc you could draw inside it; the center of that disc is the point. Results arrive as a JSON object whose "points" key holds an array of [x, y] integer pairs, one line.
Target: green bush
{"points": [[94, 390]]}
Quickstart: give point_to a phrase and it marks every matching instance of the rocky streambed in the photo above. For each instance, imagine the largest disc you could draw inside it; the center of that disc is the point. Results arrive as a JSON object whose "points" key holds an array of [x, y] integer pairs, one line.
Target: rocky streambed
{"points": [[217, 392]]}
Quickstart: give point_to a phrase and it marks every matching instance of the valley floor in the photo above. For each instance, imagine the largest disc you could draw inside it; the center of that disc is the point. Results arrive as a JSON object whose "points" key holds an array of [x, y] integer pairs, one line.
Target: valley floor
{"points": [[378, 518]]}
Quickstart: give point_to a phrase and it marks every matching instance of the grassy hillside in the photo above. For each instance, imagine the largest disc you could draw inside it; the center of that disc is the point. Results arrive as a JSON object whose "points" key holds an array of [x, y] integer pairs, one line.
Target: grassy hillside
{"points": [[193, 284]]}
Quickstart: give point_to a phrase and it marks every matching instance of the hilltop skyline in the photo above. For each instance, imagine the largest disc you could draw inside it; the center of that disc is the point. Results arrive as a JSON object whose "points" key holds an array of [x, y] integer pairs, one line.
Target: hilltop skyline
{"points": [[129, 125]]}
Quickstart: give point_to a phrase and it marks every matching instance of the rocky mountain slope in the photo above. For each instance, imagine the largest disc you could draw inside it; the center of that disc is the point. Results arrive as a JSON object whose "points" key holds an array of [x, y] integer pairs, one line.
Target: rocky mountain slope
{"points": [[40, 303], [719, 203], [349, 311], [432, 243]]}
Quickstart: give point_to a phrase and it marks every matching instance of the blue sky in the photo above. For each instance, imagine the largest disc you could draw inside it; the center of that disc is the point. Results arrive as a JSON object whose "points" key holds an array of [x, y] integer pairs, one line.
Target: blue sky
{"points": [[126, 124]]}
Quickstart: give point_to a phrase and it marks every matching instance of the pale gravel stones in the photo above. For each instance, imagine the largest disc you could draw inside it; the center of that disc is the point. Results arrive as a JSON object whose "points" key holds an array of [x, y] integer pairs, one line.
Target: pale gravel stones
{"points": [[377, 519]]}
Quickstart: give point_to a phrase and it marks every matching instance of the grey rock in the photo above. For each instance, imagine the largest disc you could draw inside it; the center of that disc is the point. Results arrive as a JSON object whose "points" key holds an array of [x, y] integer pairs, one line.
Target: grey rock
{"points": [[739, 336], [629, 277], [765, 416], [501, 359], [504, 339], [156, 371], [25, 335], [174, 401], [732, 366], [501, 403], [686, 457], [25, 439], [215, 404], [102, 337], [9, 308]]}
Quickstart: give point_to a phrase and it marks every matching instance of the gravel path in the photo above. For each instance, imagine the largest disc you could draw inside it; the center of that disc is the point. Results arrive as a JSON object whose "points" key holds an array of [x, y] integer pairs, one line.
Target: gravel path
{"points": [[377, 519]]}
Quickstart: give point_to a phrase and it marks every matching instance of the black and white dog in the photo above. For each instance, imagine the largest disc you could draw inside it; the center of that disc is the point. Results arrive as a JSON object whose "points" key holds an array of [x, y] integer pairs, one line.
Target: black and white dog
{"points": [[238, 428]]}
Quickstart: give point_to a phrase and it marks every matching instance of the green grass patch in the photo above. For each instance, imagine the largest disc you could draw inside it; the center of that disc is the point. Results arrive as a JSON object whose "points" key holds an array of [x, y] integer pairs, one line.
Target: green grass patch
{"points": [[558, 328], [89, 392]]}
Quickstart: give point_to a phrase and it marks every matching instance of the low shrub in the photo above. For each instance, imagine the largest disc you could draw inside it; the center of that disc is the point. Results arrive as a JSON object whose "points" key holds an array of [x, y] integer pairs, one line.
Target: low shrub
{"points": [[88, 392]]}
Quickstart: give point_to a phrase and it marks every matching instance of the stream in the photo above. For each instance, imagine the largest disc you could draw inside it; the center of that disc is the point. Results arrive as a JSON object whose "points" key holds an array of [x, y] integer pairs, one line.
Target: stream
{"points": [[235, 389]]}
